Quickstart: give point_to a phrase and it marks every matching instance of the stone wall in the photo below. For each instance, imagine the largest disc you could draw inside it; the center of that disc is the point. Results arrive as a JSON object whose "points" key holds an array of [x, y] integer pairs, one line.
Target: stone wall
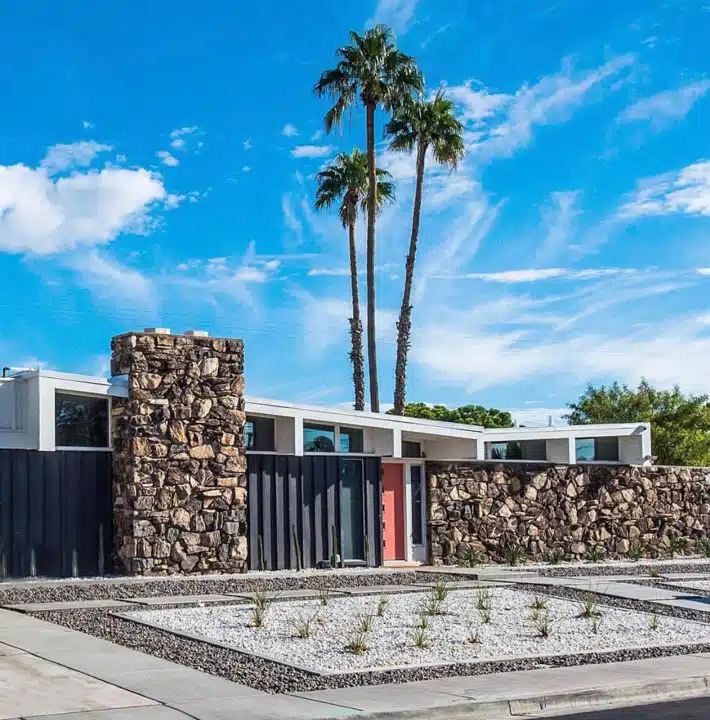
{"points": [[569, 508], [179, 462]]}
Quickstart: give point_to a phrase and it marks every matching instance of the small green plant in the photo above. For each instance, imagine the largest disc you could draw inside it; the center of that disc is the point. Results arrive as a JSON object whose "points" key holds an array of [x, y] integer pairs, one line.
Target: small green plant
{"points": [[636, 551], [433, 606], [677, 544], [474, 636], [357, 643], [257, 617], [324, 596], [262, 599], [595, 553], [654, 622], [420, 639], [589, 608], [539, 603], [596, 624], [486, 612], [440, 591], [423, 620], [513, 554], [654, 572], [302, 626], [555, 556], [365, 623], [260, 549], [483, 598], [382, 605], [704, 546], [471, 557], [543, 625]]}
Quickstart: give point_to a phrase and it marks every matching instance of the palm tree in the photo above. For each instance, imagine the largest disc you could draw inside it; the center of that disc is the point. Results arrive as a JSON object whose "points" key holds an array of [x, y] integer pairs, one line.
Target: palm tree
{"points": [[347, 180], [374, 68], [422, 125]]}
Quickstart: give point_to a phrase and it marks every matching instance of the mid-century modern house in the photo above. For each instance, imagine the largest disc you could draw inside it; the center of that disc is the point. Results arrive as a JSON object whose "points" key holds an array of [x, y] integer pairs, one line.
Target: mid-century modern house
{"points": [[378, 498]]}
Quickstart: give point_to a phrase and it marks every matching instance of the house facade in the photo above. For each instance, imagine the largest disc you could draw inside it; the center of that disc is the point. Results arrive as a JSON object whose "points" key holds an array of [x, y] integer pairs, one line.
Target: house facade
{"points": [[322, 483]]}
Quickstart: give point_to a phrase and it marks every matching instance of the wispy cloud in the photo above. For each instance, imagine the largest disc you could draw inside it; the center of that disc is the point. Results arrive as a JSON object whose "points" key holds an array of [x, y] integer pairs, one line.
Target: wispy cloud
{"points": [[662, 109], [684, 191], [397, 14], [289, 130], [532, 275], [559, 220], [167, 158], [291, 221], [80, 154], [247, 144], [87, 125], [312, 151], [179, 135]]}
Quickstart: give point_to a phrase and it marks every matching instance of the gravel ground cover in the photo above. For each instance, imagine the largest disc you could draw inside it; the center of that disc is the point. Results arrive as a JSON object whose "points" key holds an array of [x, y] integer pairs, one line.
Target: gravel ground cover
{"points": [[702, 585], [459, 635], [622, 567], [32, 591]]}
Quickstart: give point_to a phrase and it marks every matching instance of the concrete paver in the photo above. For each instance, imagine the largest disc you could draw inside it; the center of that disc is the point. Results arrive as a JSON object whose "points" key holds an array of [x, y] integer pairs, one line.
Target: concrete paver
{"points": [[383, 589], [69, 605], [290, 594], [149, 712], [274, 707], [179, 600], [33, 686]]}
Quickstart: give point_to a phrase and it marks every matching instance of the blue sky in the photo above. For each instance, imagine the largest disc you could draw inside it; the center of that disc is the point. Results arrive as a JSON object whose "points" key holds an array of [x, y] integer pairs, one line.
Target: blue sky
{"points": [[156, 168]]}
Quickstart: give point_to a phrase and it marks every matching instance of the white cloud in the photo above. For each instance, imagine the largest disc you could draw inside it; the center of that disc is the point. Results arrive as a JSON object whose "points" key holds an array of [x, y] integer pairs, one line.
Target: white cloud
{"points": [[329, 272], [516, 276], [167, 159], [312, 151], [289, 130], [397, 14], [551, 100], [247, 144], [74, 155], [665, 107], [110, 279], [539, 417], [87, 125], [291, 221], [684, 191], [246, 168], [317, 135], [476, 104], [559, 219], [179, 134], [42, 215], [705, 272]]}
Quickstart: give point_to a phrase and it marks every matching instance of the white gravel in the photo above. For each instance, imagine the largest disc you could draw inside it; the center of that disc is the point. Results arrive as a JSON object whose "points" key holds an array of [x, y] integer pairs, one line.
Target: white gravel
{"points": [[691, 584], [510, 634]]}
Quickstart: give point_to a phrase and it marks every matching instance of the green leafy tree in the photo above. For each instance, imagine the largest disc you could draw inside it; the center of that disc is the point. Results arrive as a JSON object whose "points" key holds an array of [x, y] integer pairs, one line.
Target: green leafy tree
{"points": [[346, 181], [680, 424], [372, 68], [468, 414], [422, 125]]}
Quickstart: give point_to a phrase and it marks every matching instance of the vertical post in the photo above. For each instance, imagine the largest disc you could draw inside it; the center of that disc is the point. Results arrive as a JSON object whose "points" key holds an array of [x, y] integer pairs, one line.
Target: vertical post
{"points": [[33, 563], [101, 558]]}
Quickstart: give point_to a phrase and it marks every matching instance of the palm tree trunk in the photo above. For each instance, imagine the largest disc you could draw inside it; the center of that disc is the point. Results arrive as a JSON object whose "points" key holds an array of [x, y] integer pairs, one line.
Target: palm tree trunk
{"points": [[356, 357], [404, 324], [371, 215]]}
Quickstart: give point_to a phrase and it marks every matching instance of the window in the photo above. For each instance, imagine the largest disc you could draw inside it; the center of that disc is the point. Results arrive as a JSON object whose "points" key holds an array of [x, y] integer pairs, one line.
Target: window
{"points": [[352, 509], [602, 449], [318, 438], [521, 450], [80, 421], [411, 449], [259, 434], [417, 494], [350, 440]]}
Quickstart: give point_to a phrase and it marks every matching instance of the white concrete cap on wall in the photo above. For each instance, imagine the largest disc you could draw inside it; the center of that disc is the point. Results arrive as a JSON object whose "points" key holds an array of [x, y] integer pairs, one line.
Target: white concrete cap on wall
{"points": [[197, 333], [157, 331]]}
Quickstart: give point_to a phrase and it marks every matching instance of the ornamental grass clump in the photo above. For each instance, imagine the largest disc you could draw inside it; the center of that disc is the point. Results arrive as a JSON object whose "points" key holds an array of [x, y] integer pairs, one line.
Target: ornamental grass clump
{"points": [[594, 554], [357, 643], [555, 556], [539, 603], [471, 557], [421, 639], [302, 626], [677, 545], [382, 605], [589, 608], [636, 551], [543, 625]]}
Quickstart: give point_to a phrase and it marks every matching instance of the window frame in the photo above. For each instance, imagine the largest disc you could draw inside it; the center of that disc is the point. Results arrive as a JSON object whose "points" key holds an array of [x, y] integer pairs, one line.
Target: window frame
{"points": [[595, 440], [337, 430], [251, 419], [109, 420]]}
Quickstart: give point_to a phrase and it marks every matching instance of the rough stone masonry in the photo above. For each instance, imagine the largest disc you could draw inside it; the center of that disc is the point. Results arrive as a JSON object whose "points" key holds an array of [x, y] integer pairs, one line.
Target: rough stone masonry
{"points": [[567, 508], [178, 455]]}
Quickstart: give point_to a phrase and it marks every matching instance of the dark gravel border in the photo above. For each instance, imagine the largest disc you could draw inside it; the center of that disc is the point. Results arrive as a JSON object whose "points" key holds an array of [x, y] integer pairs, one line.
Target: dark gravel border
{"points": [[274, 677], [702, 566]]}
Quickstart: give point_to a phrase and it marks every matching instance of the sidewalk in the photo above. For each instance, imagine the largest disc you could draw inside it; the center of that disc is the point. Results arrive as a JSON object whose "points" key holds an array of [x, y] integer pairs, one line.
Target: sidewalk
{"points": [[49, 672]]}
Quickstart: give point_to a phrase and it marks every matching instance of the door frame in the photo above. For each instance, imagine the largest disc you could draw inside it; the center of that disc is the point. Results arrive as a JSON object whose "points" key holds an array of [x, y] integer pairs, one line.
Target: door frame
{"points": [[413, 553]]}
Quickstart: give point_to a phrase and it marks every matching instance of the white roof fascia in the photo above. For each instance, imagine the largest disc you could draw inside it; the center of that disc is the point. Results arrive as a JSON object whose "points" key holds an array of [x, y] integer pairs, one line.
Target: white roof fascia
{"points": [[564, 431]]}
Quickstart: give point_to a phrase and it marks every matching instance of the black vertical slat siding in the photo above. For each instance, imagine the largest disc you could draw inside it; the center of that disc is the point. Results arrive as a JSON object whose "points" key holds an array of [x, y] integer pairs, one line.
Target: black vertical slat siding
{"points": [[287, 492], [51, 503]]}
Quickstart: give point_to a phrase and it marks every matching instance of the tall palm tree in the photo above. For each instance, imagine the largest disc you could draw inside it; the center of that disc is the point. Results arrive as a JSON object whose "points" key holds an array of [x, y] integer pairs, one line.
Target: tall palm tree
{"points": [[347, 181], [422, 125], [374, 68]]}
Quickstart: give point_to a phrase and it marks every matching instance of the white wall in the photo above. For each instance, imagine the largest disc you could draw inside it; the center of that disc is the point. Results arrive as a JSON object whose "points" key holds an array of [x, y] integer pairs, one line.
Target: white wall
{"points": [[631, 449], [442, 448], [558, 450], [285, 435], [18, 421], [379, 441]]}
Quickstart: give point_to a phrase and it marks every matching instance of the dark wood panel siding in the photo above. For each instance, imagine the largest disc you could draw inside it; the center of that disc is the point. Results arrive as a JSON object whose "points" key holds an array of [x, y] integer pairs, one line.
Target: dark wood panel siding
{"points": [[57, 508], [287, 493]]}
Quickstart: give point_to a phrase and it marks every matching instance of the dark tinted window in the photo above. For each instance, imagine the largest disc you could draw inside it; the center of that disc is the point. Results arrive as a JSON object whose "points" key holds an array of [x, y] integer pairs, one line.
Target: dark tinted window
{"points": [[417, 494], [80, 421], [259, 434], [411, 449], [604, 449], [351, 440]]}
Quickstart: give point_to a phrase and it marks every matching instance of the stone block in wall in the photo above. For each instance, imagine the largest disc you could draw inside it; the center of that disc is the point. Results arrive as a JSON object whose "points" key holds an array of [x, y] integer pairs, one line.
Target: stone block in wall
{"points": [[179, 458]]}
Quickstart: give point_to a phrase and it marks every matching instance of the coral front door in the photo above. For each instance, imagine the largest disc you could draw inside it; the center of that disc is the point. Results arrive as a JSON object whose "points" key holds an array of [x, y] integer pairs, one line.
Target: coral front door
{"points": [[393, 511]]}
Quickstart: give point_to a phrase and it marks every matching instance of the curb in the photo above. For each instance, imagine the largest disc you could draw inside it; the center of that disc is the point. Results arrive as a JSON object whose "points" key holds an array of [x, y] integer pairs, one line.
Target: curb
{"points": [[534, 706]]}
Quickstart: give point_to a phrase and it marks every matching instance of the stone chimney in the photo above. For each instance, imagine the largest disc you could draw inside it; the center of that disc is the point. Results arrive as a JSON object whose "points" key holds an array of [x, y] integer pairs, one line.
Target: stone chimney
{"points": [[179, 484]]}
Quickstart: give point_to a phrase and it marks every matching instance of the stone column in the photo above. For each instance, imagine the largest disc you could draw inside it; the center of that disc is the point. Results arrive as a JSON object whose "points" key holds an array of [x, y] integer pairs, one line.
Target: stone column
{"points": [[179, 463]]}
